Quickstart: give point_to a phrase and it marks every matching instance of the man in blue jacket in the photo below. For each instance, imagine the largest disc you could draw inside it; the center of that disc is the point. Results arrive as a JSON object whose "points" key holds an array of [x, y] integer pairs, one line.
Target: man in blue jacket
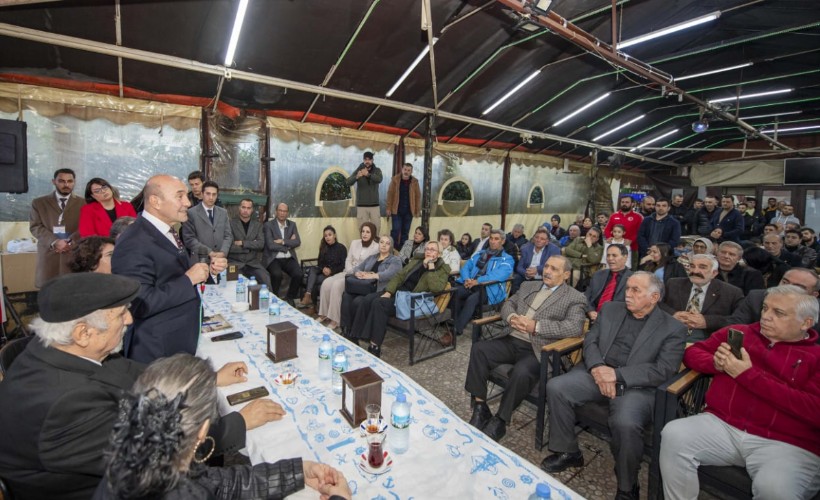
{"points": [[729, 220], [533, 257], [659, 227], [490, 265]]}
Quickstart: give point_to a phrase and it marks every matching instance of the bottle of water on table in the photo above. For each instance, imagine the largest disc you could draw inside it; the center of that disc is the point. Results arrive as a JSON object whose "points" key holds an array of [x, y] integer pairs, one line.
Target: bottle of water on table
{"points": [[223, 278], [240, 288], [273, 307], [264, 298], [400, 424], [325, 355], [252, 281], [339, 367], [542, 492]]}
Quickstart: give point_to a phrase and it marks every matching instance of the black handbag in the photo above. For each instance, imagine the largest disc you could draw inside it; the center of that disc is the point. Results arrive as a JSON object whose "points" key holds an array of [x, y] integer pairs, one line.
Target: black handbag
{"points": [[357, 286]]}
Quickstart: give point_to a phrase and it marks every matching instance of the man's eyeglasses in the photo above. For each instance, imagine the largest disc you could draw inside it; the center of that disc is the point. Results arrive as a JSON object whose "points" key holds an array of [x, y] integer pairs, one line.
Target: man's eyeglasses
{"points": [[100, 189]]}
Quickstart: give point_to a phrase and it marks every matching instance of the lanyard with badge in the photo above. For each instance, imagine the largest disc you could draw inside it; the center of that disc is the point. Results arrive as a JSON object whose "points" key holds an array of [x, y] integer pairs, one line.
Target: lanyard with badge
{"points": [[60, 230]]}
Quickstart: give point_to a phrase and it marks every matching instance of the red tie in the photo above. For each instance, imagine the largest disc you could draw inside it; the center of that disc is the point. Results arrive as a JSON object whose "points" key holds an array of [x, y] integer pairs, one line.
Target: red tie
{"points": [[609, 291]]}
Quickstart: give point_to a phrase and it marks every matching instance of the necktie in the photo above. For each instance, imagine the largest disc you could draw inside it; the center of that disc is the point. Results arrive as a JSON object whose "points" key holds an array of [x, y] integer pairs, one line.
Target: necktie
{"points": [[609, 291], [694, 302], [211, 215], [62, 203], [177, 239]]}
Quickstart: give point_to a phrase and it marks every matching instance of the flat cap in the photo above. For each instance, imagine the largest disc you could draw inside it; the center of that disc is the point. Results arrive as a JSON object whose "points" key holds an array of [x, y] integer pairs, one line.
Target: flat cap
{"points": [[73, 296], [368, 154]]}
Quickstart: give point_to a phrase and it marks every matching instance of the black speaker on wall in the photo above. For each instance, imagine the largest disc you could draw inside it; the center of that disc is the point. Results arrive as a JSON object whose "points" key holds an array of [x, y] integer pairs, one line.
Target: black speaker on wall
{"points": [[13, 157]]}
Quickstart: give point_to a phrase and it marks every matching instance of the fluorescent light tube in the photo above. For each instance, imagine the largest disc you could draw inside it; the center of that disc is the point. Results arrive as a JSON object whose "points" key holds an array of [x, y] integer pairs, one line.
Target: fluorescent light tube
{"points": [[511, 92], [619, 127], [714, 71], [650, 141], [770, 115], [237, 29], [671, 29], [410, 69], [562, 120], [748, 96], [790, 129]]}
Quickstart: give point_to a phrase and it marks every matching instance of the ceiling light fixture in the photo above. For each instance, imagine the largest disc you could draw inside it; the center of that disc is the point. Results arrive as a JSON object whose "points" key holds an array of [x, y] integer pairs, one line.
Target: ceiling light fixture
{"points": [[410, 69], [237, 29], [667, 31], [650, 141], [790, 129], [749, 96], [770, 115], [619, 127], [541, 7], [582, 108], [700, 126], [511, 92], [714, 71]]}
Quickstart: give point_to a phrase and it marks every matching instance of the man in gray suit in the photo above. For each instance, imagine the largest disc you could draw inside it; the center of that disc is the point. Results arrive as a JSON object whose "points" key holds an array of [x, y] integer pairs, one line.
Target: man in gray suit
{"points": [[207, 229], [539, 313], [632, 348], [248, 243], [610, 283], [281, 241]]}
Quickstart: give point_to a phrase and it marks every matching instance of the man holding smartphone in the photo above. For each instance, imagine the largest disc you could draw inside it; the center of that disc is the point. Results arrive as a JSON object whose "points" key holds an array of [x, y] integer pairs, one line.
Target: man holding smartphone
{"points": [[762, 410]]}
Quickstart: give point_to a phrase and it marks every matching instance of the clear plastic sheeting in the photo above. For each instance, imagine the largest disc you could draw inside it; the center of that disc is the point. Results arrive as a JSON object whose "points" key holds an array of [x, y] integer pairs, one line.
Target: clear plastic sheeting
{"points": [[236, 148]]}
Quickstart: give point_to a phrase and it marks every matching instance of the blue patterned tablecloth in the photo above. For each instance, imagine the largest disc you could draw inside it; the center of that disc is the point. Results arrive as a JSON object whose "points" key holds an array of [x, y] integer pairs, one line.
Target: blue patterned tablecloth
{"points": [[447, 458]]}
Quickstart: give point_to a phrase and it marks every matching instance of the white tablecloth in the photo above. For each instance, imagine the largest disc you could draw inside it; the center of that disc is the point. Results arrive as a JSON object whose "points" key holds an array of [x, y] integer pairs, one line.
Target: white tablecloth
{"points": [[447, 458]]}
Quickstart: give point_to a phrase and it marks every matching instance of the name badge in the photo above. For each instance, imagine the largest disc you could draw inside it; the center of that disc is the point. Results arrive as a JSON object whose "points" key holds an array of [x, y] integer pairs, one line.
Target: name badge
{"points": [[60, 232]]}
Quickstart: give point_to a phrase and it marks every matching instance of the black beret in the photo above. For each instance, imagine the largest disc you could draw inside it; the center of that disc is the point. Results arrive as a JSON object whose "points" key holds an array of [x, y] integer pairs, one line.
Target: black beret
{"points": [[73, 296], [369, 155]]}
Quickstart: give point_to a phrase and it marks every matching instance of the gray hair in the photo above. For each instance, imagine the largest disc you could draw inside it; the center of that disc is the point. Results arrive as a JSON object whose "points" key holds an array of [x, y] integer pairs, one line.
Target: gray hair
{"points": [[565, 261], [812, 272], [433, 242], [701, 256], [733, 245], [806, 306], [499, 232], [51, 334], [390, 238], [655, 283], [518, 226]]}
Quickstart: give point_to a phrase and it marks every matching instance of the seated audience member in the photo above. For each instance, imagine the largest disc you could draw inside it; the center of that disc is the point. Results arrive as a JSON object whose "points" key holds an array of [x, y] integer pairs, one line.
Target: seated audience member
{"points": [[448, 251], [332, 255], [480, 243], [380, 268], [809, 239], [554, 227], [533, 257], [414, 247], [160, 442], [428, 274], [730, 270], [761, 410], [661, 261], [281, 241], [773, 244], [793, 244], [700, 301], [586, 224], [248, 243], [490, 265], [613, 372], [207, 229], [93, 254], [771, 229], [516, 236], [102, 208], [52, 437], [541, 311], [119, 226], [770, 267], [571, 235], [618, 238], [512, 250], [608, 284], [585, 251], [465, 246], [659, 227], [332, 288]]}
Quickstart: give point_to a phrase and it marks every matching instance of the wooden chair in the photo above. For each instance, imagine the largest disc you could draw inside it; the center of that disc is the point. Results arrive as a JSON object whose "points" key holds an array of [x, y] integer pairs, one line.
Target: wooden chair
{"points": [[425, 333]]}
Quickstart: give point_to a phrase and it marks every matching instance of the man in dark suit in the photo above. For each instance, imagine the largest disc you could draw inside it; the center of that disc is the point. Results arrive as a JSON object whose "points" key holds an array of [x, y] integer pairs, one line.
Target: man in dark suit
{"points": [[700, 301], [533, 257], [773, 244], [166, 311], [541, 312], [54, 221], [60, 399], [730, 271], [631, 349], [608, 284], [207, 229], [281, 241], [249, 241]]}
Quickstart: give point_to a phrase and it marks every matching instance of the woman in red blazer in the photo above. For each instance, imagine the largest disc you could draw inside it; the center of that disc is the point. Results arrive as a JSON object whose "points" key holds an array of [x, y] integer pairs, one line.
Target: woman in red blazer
{"points": [[103, 207]]}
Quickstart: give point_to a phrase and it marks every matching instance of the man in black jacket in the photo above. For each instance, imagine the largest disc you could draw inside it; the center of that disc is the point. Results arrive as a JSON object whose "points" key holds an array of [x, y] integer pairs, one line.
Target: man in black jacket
{"points": [[728, 220], [730, 271], [704, 216]]}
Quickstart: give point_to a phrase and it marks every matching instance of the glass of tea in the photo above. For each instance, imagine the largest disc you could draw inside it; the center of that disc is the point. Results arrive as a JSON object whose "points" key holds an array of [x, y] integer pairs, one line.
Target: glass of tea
{"points": [[373, 415], [375, 450]]}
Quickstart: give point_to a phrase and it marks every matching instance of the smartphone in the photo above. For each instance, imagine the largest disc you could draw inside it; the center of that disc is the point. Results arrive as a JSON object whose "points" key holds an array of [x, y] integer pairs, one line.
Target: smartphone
{"points": [[735, 341], [245, 396], [227, 336]]}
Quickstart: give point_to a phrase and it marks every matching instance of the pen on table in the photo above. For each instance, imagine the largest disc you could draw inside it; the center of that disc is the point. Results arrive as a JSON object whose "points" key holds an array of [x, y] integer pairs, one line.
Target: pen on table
{"points": [[210, 323]]}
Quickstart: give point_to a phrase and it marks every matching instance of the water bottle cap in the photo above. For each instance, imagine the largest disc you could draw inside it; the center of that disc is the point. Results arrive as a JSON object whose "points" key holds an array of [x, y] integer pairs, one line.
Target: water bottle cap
{"points": [[340, 348], [542, 490], [264, 287], [325, 338], [401, 397]]}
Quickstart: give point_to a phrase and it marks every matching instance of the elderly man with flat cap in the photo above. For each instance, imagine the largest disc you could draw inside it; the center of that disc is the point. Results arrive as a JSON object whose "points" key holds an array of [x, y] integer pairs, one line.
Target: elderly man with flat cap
{"points": [[60, 398]]}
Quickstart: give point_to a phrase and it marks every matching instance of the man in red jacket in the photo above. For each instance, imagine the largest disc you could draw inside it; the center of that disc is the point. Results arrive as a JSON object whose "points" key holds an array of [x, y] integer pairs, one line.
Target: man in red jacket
{"points": [[762, 410], [631, 222]]}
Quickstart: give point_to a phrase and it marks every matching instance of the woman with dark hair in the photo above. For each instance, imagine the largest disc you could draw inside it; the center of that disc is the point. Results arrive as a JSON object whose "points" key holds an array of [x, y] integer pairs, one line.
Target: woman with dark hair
{"points": [[586, 225], [414, 247], [93, 254], [465, 246], [660, 259], [161, 426], [769, 266], [332, 255], [102, 208]]}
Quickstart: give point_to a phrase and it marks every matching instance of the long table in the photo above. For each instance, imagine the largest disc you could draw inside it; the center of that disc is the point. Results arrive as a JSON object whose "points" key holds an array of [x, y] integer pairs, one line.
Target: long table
{"points": [[448, 458]]}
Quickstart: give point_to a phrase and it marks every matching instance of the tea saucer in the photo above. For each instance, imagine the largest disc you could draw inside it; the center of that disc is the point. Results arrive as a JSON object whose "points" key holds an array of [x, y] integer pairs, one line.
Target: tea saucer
{"points": [[387, 465], [286, 379], [382, 423]]}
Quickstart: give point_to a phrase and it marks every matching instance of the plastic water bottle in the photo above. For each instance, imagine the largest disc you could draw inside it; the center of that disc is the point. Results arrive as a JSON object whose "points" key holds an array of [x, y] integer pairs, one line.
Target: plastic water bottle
{"points": [[264, 298], [542, 492], [325, 353], [339, 367], [273, 307], [240, 288], [400, 423], [223, 278]]}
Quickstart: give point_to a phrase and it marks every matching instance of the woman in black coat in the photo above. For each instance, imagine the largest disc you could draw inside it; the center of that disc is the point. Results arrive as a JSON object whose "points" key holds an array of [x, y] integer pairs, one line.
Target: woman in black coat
{"points": [[332, 255]]}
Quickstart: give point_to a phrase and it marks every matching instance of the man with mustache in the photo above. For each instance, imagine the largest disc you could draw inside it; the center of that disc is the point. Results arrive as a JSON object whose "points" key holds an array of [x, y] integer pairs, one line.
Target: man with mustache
{"points": [[701, 302]]}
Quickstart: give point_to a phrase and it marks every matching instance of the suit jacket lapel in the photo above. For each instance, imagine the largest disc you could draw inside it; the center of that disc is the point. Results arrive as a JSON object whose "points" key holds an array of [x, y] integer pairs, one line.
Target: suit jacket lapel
{"points": [[712, 296], [648, 330]]}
